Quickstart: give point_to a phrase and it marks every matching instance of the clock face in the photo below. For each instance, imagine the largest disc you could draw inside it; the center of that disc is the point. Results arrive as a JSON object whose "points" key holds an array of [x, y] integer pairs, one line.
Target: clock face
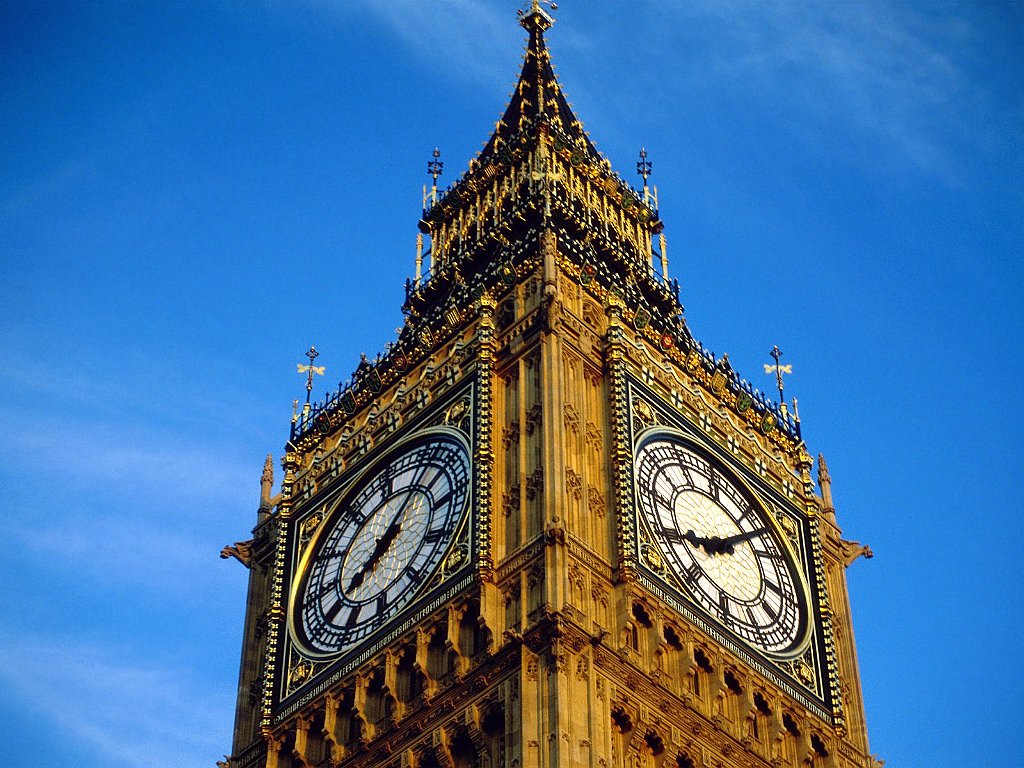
{"points": [[381, 542], [721, 543]]}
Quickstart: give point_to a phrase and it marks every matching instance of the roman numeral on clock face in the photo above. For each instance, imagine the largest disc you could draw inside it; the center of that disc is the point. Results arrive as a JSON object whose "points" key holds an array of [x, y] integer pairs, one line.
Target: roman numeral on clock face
{"points": [[334, 610], [435, 535], [671, 535], [724, 606]]}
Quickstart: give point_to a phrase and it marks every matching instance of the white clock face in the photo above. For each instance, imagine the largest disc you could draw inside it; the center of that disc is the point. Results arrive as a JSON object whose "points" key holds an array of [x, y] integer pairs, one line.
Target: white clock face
{"points": [[381, 542], [721, 544]]}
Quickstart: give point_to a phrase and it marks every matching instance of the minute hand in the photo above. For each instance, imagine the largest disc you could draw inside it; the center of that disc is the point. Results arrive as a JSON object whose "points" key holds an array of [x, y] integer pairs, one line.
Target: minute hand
{"points": [[728, 544]]}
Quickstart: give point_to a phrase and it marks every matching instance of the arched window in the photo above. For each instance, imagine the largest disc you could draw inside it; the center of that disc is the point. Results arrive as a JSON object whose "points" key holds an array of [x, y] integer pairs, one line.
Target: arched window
{"points": [[734, 696], [674, 657], [818, 750], [791, 736], [641, 620], [702, 670], [463, 751], [470, 634], [408, 682], [762, 712], [438, 656]]}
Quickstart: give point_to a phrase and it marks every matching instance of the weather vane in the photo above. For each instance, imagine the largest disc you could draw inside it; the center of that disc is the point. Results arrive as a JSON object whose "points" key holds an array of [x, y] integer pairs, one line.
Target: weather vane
{"points": [[778, 369], [643, 166], [435, 167], [310, 370]]}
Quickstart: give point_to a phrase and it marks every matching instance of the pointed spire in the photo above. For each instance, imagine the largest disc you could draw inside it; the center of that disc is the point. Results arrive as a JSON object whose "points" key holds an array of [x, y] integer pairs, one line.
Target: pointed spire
{"points": [[824, 482], [538, 97], [266, 482]]}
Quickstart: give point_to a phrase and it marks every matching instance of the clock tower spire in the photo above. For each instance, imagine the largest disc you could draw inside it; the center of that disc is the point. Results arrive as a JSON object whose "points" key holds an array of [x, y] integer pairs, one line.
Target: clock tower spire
{"points": [[546, 527]]}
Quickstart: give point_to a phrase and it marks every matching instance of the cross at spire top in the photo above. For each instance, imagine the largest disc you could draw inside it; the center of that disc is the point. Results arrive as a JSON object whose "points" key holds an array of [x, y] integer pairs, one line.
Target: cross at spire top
{"points": [[537, 15]]}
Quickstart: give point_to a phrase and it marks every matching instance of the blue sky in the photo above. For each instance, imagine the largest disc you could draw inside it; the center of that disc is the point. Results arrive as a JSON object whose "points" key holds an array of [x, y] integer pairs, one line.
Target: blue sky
{"points": [[193, 193]]}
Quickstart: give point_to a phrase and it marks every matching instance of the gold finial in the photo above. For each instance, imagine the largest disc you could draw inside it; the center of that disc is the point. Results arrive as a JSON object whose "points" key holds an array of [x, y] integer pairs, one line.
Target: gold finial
{"points": [[419, 257], [663, 246], [535, 6]]}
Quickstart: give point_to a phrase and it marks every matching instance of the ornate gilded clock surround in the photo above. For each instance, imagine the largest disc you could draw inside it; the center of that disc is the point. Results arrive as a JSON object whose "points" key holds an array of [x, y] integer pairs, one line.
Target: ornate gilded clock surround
{"points": [[806, 677], [456, 410]]}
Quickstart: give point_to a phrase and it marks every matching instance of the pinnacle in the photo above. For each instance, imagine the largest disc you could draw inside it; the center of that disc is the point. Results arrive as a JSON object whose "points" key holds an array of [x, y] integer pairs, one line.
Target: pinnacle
{"points": [[538, 97]]}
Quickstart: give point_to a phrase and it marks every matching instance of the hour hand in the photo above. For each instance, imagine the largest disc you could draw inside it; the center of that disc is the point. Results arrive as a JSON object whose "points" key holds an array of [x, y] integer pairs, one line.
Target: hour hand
{"points": [[383, 544], [728, 544], [700, 541]]}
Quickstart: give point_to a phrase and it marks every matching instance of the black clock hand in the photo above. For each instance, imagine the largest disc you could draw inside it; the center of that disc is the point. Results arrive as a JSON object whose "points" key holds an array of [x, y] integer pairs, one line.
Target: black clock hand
{"points": [[700, 541], [383, 544], [727, 545]]}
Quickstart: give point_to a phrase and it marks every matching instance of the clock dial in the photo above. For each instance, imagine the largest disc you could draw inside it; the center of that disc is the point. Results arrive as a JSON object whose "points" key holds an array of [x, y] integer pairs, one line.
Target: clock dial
{"points": [[721, 544], [381, 542]]}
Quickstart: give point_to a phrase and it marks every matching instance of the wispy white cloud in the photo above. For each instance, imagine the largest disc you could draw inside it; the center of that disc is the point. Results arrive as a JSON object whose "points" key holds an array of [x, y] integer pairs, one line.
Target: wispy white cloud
{"points": [[132, 713], [108, 487], [881, 68], [880, 72], [130, 458], [441, 31], [87, 430]]}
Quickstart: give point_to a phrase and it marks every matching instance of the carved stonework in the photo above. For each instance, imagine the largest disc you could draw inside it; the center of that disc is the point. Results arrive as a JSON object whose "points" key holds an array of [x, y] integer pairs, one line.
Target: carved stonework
{"points": [[572, 419], [458, 414], [535, 484], [240, 550], [510, 501], [573, 483], [510, 434], [533, 417], [851, 550], [535, 575]]}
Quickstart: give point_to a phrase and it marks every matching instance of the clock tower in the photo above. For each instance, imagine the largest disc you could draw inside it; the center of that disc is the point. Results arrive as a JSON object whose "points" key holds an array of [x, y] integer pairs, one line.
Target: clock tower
{"points": [[546, 528]]}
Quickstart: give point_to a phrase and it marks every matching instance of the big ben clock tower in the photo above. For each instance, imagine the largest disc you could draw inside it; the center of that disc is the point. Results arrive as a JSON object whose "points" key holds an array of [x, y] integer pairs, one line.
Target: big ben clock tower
{"points": [[546, 527]]}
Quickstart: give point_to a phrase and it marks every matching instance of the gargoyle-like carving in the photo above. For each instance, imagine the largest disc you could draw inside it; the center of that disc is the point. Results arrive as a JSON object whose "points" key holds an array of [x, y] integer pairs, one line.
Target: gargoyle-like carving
{"points": [[851, 550], [240, 550]]}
